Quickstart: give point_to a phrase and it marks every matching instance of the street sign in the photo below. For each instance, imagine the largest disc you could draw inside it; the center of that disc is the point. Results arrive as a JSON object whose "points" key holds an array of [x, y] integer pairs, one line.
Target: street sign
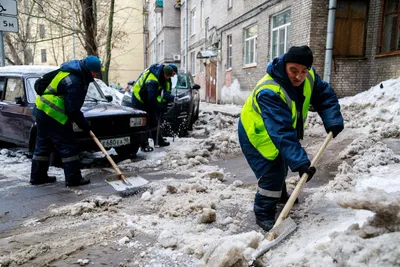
{"points": [[8, 24], [8, 7]]}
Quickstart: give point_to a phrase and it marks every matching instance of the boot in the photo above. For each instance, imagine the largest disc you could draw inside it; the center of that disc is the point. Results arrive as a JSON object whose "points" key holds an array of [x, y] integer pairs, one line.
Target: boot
{"points": [[285, 196], [163, 142], [265, 210], [73, 176], [39, 175]]}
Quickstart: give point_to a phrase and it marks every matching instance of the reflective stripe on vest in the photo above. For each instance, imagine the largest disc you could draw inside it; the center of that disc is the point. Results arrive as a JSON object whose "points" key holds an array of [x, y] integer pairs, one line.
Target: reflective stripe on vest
{"points": [[51, 103], [141, 84], [251, 113]]}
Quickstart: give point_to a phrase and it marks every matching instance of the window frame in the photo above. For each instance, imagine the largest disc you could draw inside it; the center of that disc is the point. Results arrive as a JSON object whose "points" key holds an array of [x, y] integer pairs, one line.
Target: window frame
{"points": [[229, 44], [193, 21], [349, 36], [201, 14], [42, 31], [382, 38], [287, 28], [247, 41], [43, 54]]}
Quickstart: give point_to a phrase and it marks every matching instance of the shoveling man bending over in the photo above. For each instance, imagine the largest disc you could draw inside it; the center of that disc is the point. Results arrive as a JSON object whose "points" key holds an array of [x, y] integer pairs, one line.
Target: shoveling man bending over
{"points": [[272, 123]]}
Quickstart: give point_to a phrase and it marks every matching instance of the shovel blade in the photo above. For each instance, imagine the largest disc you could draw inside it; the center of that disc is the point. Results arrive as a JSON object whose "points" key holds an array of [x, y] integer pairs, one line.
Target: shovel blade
{"points": [[278, 233], [131, 182]]}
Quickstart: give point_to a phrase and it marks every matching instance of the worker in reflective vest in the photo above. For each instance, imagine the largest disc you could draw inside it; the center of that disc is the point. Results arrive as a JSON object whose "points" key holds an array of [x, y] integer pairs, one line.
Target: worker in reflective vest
{"points": [[55, 111], [272, 123], [151, 89]]}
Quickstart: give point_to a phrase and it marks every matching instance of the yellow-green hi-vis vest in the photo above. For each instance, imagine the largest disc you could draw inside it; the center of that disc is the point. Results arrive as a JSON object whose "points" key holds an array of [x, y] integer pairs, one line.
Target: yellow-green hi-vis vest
{"points": [[251, 113], [51, 103], [141, 84], [161, 98]]}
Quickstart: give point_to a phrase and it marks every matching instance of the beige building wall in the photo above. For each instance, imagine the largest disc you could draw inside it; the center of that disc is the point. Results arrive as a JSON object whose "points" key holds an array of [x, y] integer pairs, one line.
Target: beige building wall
{"points": [[127, 56]]}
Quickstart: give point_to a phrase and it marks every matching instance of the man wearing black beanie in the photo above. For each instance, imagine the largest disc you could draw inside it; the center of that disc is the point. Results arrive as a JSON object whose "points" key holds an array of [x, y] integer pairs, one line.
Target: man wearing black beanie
{"points": [[271, 126]]}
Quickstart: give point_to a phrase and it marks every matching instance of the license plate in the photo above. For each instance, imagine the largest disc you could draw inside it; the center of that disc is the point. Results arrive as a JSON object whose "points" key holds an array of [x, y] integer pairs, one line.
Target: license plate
{"points": [[115, 142], [134, 122]]}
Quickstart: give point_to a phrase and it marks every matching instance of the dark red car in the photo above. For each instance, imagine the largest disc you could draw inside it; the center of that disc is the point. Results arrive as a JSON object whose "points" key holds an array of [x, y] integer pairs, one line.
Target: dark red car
{"points": [[121, 128]]}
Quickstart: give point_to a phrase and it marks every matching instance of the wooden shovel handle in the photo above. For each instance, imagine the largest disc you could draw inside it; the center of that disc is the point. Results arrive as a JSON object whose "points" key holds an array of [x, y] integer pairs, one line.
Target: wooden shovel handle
{"points": [[289, 204], [107, 155]]}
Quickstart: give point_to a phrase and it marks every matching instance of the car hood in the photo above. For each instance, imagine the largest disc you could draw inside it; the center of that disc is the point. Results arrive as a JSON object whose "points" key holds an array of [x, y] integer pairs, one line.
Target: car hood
{"points": [[107, 109]]}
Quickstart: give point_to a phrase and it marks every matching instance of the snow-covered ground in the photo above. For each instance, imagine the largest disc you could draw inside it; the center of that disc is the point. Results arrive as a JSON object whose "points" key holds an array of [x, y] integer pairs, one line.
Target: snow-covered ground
{"points": [[201, 220]]}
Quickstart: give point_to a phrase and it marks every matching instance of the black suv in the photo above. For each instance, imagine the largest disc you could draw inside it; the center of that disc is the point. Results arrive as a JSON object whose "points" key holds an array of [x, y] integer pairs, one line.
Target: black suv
{"points": [[116, 127], [179, 116]]}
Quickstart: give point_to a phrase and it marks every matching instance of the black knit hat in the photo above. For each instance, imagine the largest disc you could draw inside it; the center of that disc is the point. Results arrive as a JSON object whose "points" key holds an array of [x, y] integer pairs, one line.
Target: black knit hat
{"points": [[300, 55]]}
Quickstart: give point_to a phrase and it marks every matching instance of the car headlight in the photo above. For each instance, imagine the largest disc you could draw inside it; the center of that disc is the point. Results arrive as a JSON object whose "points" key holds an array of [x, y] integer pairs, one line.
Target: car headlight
{"points": [[185, 98], [137, 121]]}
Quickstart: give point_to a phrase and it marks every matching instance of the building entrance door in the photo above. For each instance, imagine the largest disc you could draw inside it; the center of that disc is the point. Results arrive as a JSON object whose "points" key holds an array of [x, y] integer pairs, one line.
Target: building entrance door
{"points": [[211, 82]]}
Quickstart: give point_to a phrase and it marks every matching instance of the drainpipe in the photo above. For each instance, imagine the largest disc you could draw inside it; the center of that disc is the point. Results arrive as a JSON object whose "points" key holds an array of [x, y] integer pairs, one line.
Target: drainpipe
{"points": [[156, 39], [329, 40], [186, 34]]}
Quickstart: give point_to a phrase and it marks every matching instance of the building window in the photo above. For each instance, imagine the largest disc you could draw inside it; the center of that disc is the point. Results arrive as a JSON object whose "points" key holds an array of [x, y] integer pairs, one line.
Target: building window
{"points": [[280, 33], [229, 54], [42, 31], [44, 56], [193, 63], [350, 28], [202, 14], [184, 33], [40, 5], [193, 22], [230, 3], [390, 31], [162, 47], [250, 37]]}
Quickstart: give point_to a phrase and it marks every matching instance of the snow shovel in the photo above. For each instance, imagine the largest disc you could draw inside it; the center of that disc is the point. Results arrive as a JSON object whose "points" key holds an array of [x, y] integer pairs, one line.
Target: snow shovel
{"points": [[159, 121], [119, 181], [285, 225]]}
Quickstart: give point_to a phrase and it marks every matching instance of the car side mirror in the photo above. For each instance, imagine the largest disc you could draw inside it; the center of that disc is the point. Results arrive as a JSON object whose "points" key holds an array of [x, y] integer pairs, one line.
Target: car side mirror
{"points": [[196, 86], [19, 100], [109, 98]]}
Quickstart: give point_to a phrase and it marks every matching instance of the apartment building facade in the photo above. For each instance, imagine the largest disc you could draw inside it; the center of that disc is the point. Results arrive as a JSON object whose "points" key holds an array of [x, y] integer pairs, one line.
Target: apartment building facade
{"points": [[162, 29], [230, 42]]}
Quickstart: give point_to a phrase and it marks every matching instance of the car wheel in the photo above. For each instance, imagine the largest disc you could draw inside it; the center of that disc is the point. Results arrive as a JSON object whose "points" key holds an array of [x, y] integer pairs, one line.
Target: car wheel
{"points": [[196, 115], [128, 151]]}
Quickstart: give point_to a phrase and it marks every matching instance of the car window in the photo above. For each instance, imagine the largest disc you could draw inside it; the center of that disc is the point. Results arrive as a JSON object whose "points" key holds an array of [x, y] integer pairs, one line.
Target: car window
{"points": [[180, 84], [2, 79], [14, 88], [94, 93], [30, 89]]}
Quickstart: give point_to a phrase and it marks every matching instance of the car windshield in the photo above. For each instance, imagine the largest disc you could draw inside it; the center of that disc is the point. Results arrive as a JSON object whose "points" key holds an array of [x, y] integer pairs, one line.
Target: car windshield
{"points": [[93, 94], [180, 84]]}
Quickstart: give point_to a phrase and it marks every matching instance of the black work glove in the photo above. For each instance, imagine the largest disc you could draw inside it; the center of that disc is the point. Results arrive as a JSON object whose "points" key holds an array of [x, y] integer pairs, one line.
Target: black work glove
{"points": [[307, 169], [85, 126], [335, 129]]}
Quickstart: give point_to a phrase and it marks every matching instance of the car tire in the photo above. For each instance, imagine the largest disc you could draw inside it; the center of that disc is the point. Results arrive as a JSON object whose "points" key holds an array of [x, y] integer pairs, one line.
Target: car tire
{"points": [[129, 151], [196, 115]]}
